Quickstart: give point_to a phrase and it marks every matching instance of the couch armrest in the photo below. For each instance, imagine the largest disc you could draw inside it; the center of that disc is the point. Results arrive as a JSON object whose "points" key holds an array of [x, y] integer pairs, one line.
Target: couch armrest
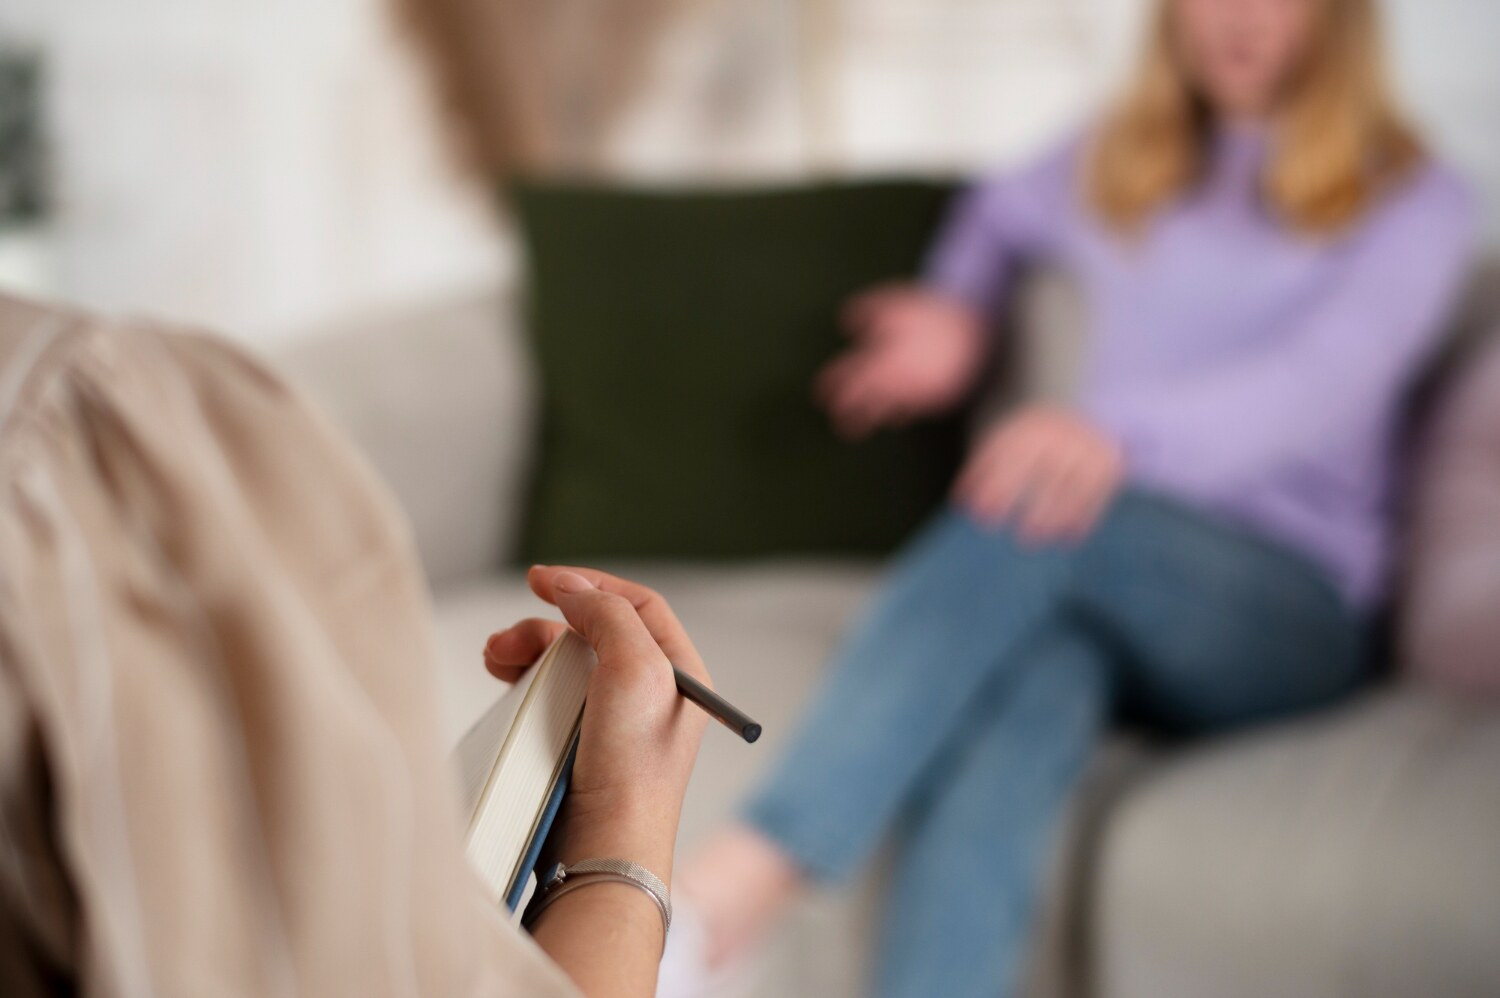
{"points": [[441, 402], [1452, 584]]}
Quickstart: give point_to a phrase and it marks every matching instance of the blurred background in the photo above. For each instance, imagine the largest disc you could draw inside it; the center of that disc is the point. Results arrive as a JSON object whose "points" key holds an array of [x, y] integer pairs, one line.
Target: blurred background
{"points": [[266, 166], [326, 182]]}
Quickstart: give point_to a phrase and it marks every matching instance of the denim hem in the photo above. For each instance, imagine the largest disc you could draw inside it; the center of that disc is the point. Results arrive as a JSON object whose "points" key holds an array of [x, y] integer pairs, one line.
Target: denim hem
{"points": [[821, 862]]}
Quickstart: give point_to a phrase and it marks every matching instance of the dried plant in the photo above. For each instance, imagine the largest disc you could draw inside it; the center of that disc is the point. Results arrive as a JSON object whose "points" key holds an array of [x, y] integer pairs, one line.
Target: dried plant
{"points": [[535, 85]]}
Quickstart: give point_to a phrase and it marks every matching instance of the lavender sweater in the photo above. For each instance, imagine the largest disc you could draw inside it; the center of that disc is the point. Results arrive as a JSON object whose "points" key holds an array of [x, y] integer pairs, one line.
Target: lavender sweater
{"points": [[1245, 369]]}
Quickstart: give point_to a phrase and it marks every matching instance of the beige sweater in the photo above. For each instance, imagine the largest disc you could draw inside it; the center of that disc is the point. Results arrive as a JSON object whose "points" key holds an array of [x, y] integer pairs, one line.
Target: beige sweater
{"points": [[220, 767]]}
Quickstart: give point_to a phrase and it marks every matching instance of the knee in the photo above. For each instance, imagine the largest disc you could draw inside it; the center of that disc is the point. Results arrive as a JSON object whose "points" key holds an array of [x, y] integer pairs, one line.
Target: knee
{"points": [[954, 555]]}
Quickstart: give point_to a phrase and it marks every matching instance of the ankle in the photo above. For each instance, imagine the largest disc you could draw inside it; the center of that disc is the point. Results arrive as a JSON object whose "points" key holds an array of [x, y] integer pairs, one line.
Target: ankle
{"points": [[739, 884]]}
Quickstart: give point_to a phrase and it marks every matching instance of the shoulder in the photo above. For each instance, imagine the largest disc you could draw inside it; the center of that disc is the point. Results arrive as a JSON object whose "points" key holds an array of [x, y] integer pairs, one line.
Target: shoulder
{"points": [[1433, 199], [1040, 181], [1419, 239], [1060, 159], [1054, 161]]}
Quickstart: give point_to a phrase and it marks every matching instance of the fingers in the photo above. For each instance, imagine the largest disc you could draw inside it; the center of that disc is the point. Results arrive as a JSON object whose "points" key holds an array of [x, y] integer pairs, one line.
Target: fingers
{"points": [[1049, 477], [1056, 499], [651, 609], [1071, 491], [610, 624], [1101, 481], [861, 313], [1090, 508], [916, 353], [856, 396], [509, 653], [1000, 477], [834, 387]]}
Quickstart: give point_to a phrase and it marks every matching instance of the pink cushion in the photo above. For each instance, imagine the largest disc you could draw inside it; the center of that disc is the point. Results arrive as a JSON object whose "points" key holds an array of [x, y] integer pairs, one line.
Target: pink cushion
{"points": [[1451, 633]]}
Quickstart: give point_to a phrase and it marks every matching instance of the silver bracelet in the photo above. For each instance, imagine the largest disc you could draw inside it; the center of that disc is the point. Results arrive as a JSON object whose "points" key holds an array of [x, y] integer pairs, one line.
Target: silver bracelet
{"points": [[562, 879]]}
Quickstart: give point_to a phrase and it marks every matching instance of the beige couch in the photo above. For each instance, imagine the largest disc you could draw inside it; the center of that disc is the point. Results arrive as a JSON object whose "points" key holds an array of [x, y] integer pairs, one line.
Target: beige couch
{"points": [[1355, 853]]}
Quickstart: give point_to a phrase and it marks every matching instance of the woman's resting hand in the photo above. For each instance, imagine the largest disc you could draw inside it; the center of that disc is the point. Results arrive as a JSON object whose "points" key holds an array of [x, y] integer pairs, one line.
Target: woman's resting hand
{"points": [[1046, 471], [916, 354]]}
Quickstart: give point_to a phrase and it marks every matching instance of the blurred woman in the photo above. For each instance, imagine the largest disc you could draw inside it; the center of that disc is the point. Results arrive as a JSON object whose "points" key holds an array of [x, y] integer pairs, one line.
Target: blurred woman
{"points": [[1268, 253]]}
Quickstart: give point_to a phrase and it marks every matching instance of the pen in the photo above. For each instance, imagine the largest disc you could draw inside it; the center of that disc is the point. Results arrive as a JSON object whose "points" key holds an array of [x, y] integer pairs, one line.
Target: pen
{"points": [[716, 706]]}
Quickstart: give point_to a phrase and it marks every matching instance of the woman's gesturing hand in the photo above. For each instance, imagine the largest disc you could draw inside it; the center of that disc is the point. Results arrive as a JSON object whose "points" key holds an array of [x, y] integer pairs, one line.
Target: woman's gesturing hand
{"points": [[917, 353], [1046, 471], [639, 738]]}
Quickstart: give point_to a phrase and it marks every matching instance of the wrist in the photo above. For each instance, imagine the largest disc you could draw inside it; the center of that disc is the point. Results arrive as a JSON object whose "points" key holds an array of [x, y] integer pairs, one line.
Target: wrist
{"points": [[637, 833]]}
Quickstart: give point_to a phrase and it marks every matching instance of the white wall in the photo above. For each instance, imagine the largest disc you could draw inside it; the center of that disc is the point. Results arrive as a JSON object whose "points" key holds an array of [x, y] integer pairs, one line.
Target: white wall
{"points": [[265, 165], [969, 82], [257, 165], [1447, 66], [952, 85]]}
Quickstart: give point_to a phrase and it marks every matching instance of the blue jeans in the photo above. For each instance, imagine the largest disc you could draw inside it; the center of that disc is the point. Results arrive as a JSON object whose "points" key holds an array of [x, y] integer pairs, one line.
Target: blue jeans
{"points": [[964, 705]]}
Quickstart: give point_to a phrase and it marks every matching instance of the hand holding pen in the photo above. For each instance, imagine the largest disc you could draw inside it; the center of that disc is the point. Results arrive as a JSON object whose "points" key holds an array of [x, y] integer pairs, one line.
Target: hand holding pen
{"points": [[510, 652], [636, 749]]}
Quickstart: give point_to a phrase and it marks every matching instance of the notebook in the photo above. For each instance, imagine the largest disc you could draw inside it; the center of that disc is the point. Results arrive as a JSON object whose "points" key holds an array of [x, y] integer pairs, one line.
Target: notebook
{"points": [[514, 765]]}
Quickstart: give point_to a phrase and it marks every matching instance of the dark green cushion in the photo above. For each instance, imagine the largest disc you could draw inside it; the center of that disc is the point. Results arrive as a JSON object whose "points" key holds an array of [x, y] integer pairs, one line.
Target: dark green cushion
{"points": [[677, 335]]}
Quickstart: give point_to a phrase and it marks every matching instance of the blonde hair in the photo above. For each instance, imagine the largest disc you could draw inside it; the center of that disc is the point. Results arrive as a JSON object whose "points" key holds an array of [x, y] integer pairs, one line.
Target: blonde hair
{"points": [[1338, 140]]}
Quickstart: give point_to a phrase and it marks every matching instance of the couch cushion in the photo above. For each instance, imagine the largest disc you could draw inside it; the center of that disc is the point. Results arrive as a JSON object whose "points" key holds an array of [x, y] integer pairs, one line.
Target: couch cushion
{"points": [[439, 399], [1352, 853], [678, 336]]}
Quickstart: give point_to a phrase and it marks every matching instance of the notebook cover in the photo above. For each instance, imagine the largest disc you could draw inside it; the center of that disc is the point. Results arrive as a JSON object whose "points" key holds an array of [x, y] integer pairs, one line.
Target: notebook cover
{"points": [[543, 828]]}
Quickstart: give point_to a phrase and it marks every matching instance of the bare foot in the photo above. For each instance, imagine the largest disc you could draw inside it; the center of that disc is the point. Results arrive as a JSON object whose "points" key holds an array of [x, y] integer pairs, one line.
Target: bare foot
{"points": [[739, 882]]}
